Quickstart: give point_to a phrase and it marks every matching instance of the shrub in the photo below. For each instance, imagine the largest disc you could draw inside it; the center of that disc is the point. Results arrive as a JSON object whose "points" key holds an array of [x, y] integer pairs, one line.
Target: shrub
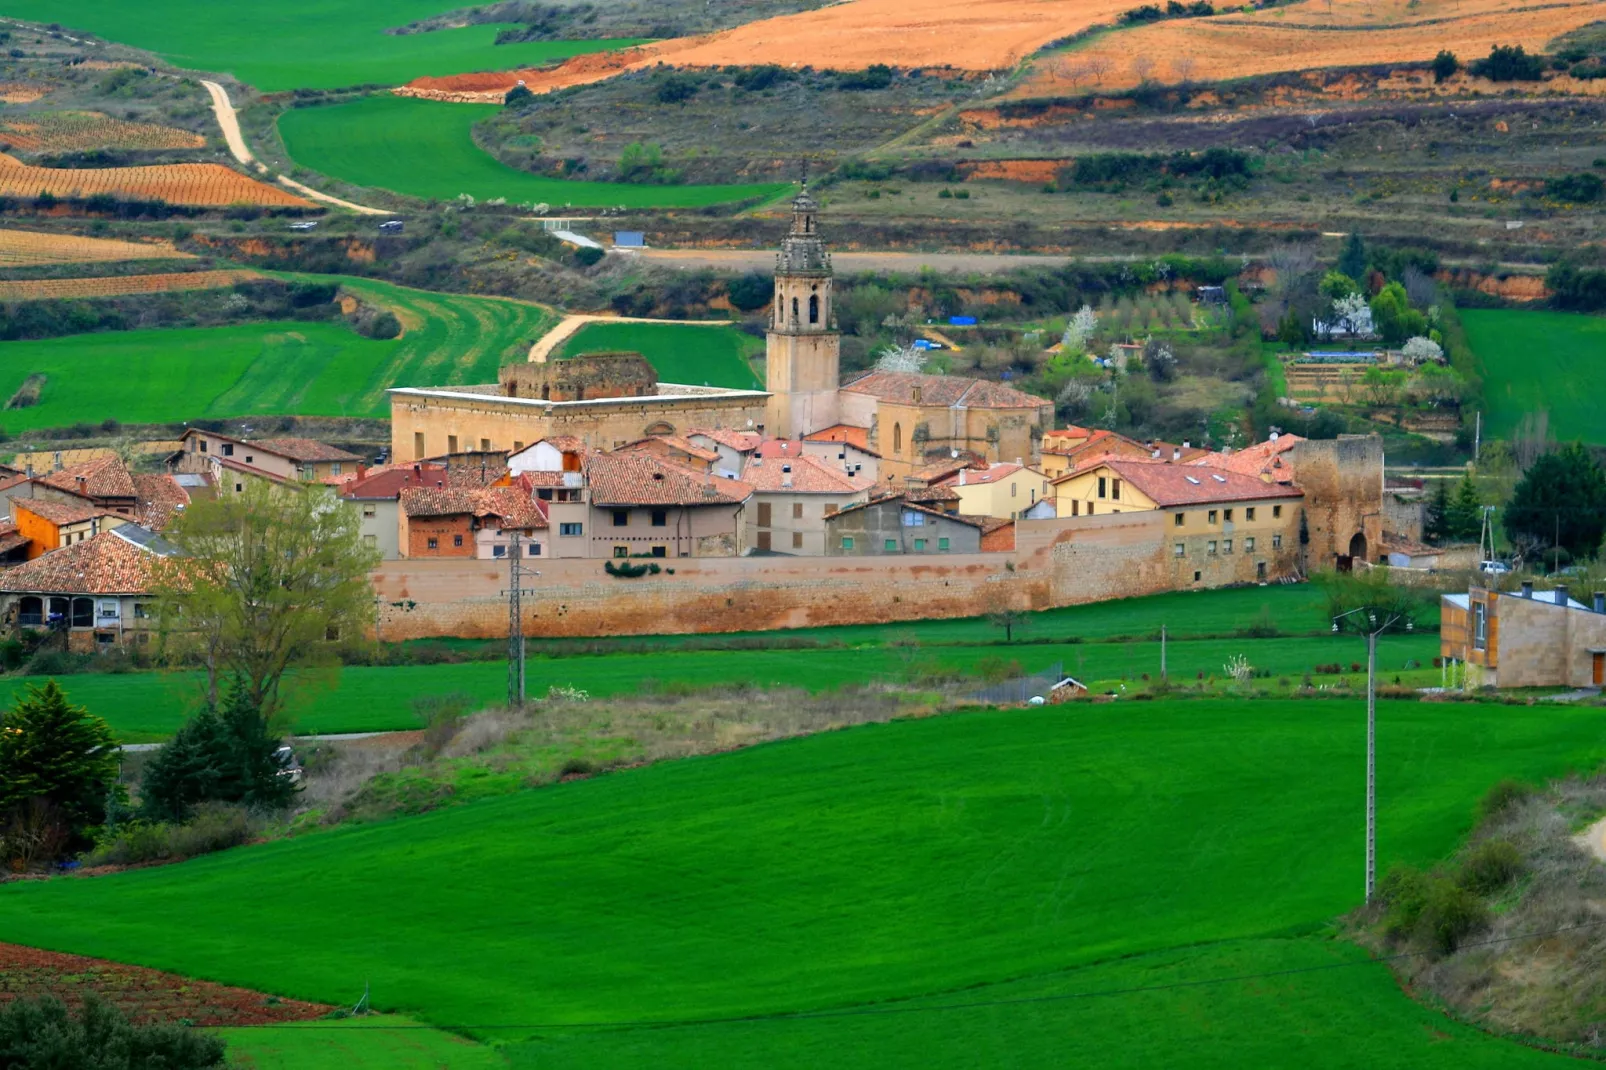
{"points": [[1500, 798], [1444, 65], [1508, 63], [441, 716], [587, 255], [224, 753], [1490, 866], [1428, 909], [212, 827], [45, 1033], [875, 76], [751, 292], [678, 88], [1582, 188], [519, 96]]}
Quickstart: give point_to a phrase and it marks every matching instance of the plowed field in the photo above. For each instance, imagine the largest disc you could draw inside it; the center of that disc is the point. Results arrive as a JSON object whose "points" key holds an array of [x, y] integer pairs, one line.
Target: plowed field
{"points": [[117, 285], [1302, 36], [25, 248], [204, 184], [78, 131], [21, 92]]}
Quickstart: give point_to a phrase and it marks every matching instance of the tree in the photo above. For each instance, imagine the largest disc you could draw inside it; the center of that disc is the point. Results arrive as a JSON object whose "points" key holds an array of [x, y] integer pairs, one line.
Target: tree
{"points": [[222, 754], [1336, 285], [1463, 520], [1445, 65], [901, 358], [1421, 350], [1352, 261], [752, 291], [43, 1034], [1372, 594], [1561, 500], [1508, 63], [62, 754], [1436, 514], [1079, 331], [519, 96], [1393, 317], [268, 579]]}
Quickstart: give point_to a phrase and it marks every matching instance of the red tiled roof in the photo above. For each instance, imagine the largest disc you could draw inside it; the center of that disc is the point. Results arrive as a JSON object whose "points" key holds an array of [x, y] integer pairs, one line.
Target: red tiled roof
{"points": [[807, 475], [305, 450], [388, 483], [252, 470], [11, 481], [740, 441], [104, 477], [853, 436], [972, 477], [690, 449], [643, 479], [157, 499], [512, 505], [105, 564], [899, 387], [1171, 484], [61, 512], [1253, 460]]}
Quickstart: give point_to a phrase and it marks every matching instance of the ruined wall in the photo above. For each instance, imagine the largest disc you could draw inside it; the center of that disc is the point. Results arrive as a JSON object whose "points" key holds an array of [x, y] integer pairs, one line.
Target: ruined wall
{"points": [[1343, 483], [588, 377]]}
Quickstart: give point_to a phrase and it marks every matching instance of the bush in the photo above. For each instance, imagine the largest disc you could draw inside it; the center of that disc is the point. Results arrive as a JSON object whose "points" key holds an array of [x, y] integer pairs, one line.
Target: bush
{"points": [[224, 753], [378, 324], [1508, 63], [1444, 65], [875, 76], [751, 292], [1428, 910], [587, 255], [678, 88], [1490, 866], [212, 827], [1500, 798], [1582, 188], [45, 1033]]}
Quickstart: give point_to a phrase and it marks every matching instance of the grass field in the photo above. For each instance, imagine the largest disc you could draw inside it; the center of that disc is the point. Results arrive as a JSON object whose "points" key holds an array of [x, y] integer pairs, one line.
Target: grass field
{"points": [[693, 356], [310, 369], [301, 44], [1541, 361], [956, 861], [383, 1042], [426, 148]]}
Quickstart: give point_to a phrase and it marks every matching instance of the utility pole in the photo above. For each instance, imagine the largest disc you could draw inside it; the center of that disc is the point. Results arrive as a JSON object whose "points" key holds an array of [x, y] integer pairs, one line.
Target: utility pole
{"points": [[1477, 437], [515, 627], [1162, 654]]}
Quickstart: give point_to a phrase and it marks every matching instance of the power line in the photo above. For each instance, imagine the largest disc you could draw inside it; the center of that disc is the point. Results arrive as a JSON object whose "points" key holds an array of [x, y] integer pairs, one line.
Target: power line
{"points": [[1056, 997]]}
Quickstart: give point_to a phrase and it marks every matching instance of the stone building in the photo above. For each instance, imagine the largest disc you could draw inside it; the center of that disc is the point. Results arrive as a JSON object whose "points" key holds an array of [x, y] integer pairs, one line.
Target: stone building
{"points": [[803, 352], [794, 496], [892, 525], [98, 591], [1525, 639]]}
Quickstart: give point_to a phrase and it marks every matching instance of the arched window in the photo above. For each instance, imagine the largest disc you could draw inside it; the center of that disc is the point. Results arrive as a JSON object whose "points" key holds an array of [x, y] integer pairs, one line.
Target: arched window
{"points": [[814, 308], [794, 311], [83, 612], [897, 438]]}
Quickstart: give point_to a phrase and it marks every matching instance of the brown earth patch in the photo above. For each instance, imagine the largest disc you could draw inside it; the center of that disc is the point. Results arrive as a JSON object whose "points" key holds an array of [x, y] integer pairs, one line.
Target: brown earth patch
{"points": [[145, 995], [1035, 172], [201, 184], [1512, 287], [118, 285], [21, 92]]}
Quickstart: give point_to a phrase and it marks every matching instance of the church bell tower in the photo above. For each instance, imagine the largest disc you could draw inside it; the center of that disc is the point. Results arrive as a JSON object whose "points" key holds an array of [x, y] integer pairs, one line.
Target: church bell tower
{"points": [[803, 354]]}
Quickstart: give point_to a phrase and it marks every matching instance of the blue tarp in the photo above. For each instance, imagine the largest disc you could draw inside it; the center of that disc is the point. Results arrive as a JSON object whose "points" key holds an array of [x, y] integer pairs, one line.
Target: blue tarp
{"points": [[630, 239], [961, 321]]}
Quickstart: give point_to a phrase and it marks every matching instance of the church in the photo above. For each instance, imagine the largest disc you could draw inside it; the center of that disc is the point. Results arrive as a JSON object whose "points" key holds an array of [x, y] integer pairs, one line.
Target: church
{"points": [[607, 400]]}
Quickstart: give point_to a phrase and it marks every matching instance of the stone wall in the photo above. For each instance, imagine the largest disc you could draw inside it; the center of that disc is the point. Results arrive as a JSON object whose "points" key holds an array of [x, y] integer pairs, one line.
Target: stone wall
{"points": [[592, 376], [1343, 483]]}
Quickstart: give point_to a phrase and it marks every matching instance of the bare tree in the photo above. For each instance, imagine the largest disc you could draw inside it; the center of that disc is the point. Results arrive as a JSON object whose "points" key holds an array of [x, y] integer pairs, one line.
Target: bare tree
{"points": [[1420, 288], [1532, 439], [1183, 67], [1142, 68], [1069, 70], [1292, 261], [1098, 66]]}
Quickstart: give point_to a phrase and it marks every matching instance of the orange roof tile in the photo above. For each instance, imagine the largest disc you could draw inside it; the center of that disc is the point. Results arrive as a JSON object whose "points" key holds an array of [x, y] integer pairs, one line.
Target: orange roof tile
{"points": [[61, 512], [305, 450], [645, 479], [1170, 485], [158, 498], [104, 477], [900, 387], [853, 436], [109, 563], [512, 505], [800, 474]]}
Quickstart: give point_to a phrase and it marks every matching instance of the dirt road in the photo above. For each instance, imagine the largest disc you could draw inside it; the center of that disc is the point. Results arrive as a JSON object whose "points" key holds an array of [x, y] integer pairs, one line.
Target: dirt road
{"points": [[853, 263]]}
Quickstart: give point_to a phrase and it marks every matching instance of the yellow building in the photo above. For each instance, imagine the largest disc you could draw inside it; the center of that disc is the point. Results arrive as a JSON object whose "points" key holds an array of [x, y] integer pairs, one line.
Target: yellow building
{"points": [[1001, 490]]}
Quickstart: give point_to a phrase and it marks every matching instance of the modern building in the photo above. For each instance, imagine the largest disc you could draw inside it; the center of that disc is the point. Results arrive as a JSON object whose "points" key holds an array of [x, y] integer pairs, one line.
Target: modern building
{"points": [[1525, 638]]}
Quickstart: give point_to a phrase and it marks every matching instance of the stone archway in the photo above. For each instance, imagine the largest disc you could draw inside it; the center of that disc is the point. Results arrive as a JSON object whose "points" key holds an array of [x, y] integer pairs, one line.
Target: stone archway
{"points": [[1357, 547]]}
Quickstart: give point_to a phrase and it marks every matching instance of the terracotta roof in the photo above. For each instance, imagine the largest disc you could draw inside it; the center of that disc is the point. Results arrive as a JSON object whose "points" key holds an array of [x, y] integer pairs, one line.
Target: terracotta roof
{"points": [[512, 505], [61, 512], [1188, 484], [740, 441], [252, 470], [853, 436], [158, 499], [11, 481], [807, 475], [563, 443], [899, 387], [106, 564], [484, 474], [387, 484], [988, 524], [104, 477], [1253, 460], [690, 449], [643, 479], [971, 477], [305, 450]]}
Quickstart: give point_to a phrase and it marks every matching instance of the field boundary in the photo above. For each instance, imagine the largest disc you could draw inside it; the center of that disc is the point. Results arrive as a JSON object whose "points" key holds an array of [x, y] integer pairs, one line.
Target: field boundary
{"points": [[572, 325]]}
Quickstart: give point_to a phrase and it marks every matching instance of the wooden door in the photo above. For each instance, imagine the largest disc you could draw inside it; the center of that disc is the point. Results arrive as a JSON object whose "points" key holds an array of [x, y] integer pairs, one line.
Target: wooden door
{"points": [[1599, 674], [763, 514], [763, 540]]}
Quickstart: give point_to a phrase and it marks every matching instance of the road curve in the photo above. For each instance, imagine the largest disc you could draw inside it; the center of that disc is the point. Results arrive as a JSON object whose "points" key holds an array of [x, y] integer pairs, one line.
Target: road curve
{"points": [[230, 124]]}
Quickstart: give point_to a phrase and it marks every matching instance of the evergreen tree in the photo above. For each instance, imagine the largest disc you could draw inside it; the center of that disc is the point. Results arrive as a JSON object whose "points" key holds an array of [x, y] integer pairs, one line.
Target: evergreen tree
{"points": [[1436, 517], [1463, 519], [53, 750], [1352, 261], [223, 753], [1562, 501]]}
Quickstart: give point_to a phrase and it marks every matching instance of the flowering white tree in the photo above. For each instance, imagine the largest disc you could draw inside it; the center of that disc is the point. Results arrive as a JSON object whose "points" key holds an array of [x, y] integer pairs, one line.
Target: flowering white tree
{"points": [[1351, 312], [1080, 329], [1421, 350], [901, 358]]}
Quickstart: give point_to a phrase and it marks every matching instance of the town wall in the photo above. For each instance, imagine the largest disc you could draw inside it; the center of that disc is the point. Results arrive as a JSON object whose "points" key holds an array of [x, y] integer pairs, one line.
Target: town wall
{"points": [[1056, 562], [1343, 483]]}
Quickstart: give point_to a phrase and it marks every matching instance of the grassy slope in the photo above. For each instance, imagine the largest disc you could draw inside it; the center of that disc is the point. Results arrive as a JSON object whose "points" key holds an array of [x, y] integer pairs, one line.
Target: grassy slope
{"points": [[1541, 361], [318, 44], [313, 369], [425, 148], [881, 863], [383, 1042], [695, 356]]}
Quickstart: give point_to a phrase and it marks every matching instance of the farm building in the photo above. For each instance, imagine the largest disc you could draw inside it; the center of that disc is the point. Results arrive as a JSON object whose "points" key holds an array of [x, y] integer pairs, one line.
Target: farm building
{"points": [[97, 591]]}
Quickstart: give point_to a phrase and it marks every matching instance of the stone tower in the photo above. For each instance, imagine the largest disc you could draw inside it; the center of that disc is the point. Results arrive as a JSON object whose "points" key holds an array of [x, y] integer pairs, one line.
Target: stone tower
{"points": [[803, 351]]}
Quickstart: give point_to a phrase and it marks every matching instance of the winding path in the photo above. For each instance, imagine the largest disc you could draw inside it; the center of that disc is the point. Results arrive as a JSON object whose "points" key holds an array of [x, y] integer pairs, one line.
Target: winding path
{"points": [[230, 123]]}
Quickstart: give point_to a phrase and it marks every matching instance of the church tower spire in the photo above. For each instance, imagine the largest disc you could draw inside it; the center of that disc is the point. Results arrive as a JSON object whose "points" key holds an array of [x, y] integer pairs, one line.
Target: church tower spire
{"points": [[803, 350]]}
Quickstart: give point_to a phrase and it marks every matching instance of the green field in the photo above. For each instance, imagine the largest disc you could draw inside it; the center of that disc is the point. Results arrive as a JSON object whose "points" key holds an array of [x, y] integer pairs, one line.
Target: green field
{"points": [[309, 369], [382, 1042], [301, 44], [425, 148], [692, 356], [954, 862], [1533, 362]]}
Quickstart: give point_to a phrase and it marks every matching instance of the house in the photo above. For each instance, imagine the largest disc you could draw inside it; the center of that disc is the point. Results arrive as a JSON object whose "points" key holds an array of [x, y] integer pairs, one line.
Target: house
{"points": [[471, 522], [1525, 638], [49, 524], [554, 467], [733, 448], [793, 495], [637, 504], [158, 498], [104, 481], [846, 455], [1070, 448], [910, 415], [277, 459], [13, 545], [97, 591], [376, 497], [893, 525], [676, 450], [999, 490]]}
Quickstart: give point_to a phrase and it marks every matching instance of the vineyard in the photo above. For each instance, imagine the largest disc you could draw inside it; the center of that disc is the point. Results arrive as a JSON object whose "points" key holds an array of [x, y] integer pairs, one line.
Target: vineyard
{"points": [[81, 131], [202, 184], [28, 248], [1151, 312], [120, 285]]}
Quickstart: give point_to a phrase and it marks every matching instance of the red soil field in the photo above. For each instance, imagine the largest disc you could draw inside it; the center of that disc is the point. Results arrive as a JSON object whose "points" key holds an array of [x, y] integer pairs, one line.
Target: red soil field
{"points": [[201, 184], [117, 285]]}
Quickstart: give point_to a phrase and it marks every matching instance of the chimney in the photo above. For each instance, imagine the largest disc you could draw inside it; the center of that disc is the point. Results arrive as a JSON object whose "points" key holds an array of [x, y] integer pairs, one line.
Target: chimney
{"points": [[83, 486], [1019, 463], [917, 395], [1176, 453], [1527, 588], [362, 470], [1600, 602], [962, 477], [1186, 445], [1273, 437], [1561, 595]]}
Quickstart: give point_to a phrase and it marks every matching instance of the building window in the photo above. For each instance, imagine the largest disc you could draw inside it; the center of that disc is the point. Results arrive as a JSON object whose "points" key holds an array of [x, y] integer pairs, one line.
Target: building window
{"points": [[371, 542], [434, 543], [1014, 490], [1249, 545], [1226, 546], [621, 518], [660, 551], [814, 308], [418, 445], [451, 443], [764, 514], [457, 540], [239, 488], [334, 468], [1249, 513], [660, 518], [1480, 626], [571, 529], [797, 510], [847, 542], [797, 540], [942, 544], [1210, 547], [1212, 517], [621, 551], [1195, 575], [1276, 542], [1103, 486], [228, 449], [1179, 549], [1115, 489], [532, 549], [890, 546], [831, 508], [920, 546], [897, 438], [499, 550], [1089, 508], [203, 445], [1276, 512], [518, 447], [485, 445], [142, 611], [370, 511], [1177, 520], [1226, 514]]}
